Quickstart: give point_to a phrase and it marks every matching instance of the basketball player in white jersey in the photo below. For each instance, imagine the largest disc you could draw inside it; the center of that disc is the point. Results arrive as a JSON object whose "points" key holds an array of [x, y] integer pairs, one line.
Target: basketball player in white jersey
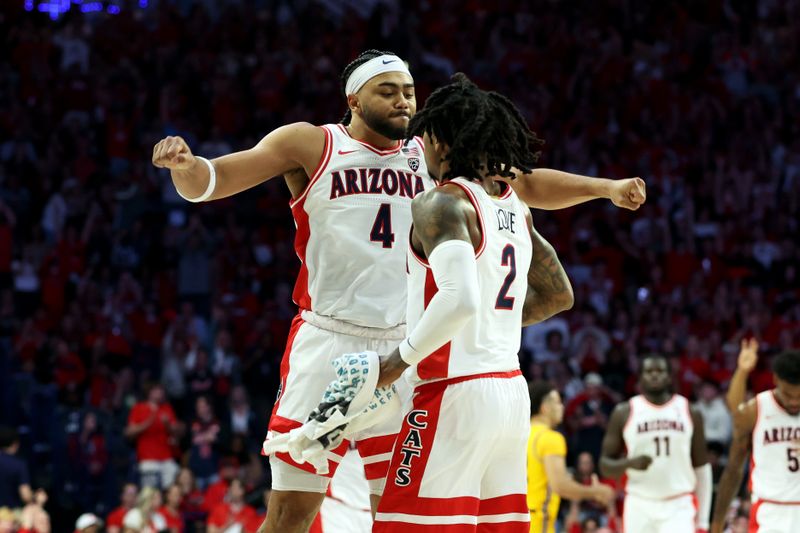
{"points": [[459, 460], [352, 186], [657, 440], [767, 427]]}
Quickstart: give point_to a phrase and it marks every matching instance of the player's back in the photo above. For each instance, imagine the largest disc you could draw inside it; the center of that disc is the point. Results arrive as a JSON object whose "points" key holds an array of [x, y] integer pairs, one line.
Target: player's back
{"points": [[664, 433], [353, 222], [490, 341], [775, 469]]}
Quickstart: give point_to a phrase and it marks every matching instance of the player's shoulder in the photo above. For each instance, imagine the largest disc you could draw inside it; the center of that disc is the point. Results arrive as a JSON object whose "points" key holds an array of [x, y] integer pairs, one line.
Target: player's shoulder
{"points": [[299, 134], [746, 414], [447, 198]]}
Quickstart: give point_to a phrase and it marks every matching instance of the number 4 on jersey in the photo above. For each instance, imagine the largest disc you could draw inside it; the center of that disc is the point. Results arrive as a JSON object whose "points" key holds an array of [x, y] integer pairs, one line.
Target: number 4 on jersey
{"points": [[382, 228]]}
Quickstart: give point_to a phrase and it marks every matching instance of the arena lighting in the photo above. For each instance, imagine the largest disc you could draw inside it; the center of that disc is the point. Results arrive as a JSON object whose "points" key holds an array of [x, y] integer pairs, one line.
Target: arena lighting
{"points": [[56, 8]]}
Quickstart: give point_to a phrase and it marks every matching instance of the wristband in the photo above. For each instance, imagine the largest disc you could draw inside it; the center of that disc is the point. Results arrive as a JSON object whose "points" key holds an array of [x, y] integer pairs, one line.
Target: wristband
{"points": [[212, 183]]}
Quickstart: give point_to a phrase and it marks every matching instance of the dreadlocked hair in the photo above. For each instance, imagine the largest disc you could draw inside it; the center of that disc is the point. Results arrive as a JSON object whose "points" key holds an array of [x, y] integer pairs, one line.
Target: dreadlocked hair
{"points": [[348, 70], [480, 127]]}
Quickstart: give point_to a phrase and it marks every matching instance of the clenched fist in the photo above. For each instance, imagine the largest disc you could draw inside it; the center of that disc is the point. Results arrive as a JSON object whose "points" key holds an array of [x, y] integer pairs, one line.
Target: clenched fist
{"points": [[629, 193], [173, 153]]}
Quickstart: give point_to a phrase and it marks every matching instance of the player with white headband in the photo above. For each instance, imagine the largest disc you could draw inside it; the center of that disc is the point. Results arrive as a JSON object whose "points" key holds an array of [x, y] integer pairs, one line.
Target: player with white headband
{"points": [[352, 184]]}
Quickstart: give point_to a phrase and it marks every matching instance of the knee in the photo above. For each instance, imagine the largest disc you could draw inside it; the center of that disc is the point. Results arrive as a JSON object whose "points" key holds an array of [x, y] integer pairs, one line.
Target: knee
{"points": [[290, 514]]}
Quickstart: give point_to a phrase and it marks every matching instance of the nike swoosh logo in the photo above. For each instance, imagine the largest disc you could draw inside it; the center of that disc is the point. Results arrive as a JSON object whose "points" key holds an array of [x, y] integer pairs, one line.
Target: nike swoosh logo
{"points": [[390, 61], [342, 152]]}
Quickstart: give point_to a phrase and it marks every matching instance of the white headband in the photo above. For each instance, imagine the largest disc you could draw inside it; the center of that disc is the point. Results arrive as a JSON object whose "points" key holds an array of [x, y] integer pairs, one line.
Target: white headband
{"points": [[370, 69]]}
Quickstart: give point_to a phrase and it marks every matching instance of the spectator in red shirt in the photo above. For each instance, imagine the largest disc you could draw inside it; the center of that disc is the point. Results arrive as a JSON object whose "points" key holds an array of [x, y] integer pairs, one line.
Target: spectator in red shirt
{"points": [[231, 512], [153, 424], [127, 500], [216, 492], [171, 509]]}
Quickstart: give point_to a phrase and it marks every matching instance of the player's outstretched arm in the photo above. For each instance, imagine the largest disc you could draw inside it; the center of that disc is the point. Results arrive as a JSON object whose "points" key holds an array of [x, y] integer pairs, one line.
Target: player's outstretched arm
{"points": [[555, 466], [612, 461], [744, 421], [549, 289], [546, 188], [298, 145], [442, 218], [748, 358]]}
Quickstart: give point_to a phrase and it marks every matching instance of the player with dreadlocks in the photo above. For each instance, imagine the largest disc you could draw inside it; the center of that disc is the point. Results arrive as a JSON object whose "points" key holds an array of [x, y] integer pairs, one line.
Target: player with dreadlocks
{"points": [[351, 184], [459, 460]]}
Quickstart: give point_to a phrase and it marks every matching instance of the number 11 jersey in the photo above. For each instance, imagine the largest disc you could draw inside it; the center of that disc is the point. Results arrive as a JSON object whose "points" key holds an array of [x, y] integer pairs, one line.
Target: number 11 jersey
{"points": [[664, 433]]}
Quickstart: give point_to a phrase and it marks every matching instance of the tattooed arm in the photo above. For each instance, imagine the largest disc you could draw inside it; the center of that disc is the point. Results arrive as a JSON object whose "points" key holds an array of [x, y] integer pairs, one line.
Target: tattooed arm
{"points": [[445, 231], [743, 423], [549, 290]]}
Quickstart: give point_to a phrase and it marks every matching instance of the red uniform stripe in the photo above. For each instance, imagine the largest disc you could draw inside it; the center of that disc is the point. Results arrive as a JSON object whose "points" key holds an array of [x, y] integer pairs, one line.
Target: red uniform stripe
{"points": [[285, 367], [376, 445], [504, 527], [400, 498], [511, 503], [376, 470]]}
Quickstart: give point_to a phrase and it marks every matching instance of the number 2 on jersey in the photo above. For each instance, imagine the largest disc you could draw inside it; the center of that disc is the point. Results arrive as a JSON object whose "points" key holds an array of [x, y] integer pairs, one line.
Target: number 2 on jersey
{"points": [[504, 301], [382, 227]]}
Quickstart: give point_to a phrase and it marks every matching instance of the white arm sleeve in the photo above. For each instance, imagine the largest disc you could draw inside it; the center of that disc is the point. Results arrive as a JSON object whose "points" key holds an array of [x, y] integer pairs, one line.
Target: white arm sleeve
{"points": [[703, 490], [454, 304]]}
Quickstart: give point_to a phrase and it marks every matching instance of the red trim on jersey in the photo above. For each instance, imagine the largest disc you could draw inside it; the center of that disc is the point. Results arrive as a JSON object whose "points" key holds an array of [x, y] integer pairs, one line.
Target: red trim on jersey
{"points": [[420, 142], [422, 261], [300, 294], [462, 505], [476, 205], [284, 372], [689, 414], [753, 526], [663, 405], [775, 399], [776, 502], [377, 149], [627, 420], [503, 527], [506, 192], [376, 470], [324, 159], [376, 446], [510, 503], [436, 364], [308, 467], [460, 379], [753, 448]]}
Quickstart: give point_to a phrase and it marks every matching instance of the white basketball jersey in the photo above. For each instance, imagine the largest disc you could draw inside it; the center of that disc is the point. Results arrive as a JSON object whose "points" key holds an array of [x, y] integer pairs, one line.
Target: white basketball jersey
{"points": [[353, 222], [490, 341], [664, 433], [775, 468]]}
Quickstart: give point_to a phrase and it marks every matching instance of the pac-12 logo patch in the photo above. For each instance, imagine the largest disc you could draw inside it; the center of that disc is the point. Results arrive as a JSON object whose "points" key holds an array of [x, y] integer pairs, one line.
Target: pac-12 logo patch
{"points": [[413, 163]]}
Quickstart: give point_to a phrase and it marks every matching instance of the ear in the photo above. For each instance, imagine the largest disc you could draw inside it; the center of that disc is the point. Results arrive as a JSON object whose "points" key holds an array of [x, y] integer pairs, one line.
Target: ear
{"points": [[353, 102], [439, 148]]}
